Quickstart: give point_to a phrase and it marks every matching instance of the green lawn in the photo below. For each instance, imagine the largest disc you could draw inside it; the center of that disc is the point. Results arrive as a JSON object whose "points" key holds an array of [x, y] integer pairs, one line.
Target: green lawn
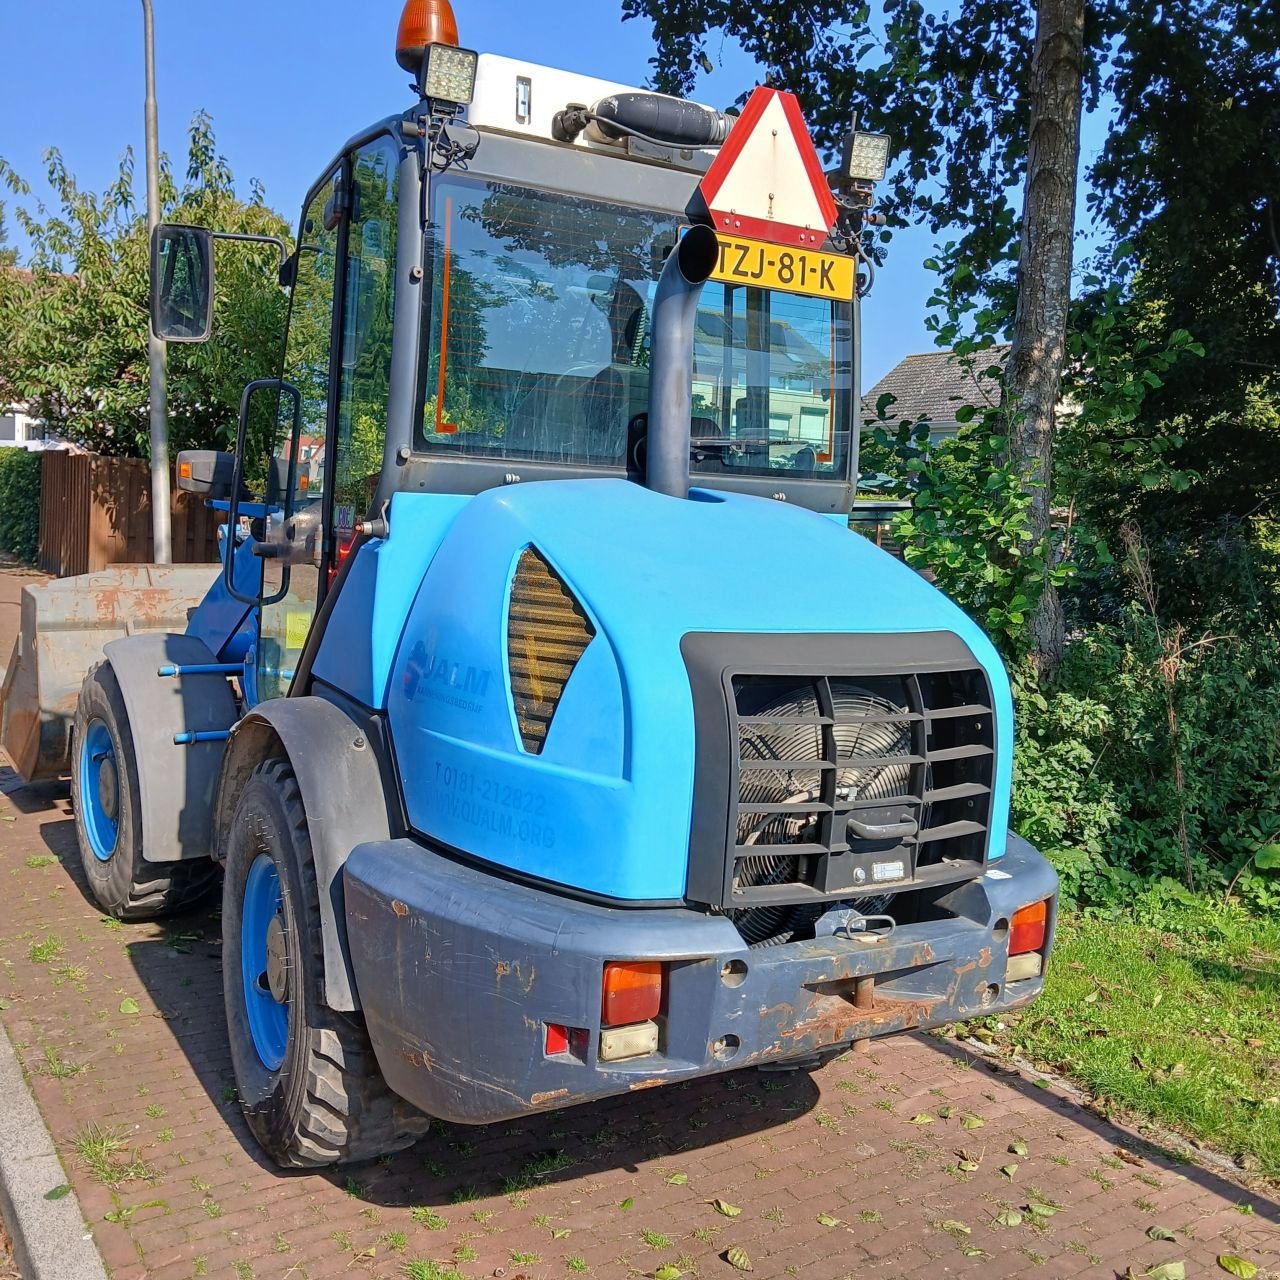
{"points": [[1178, 1020]]}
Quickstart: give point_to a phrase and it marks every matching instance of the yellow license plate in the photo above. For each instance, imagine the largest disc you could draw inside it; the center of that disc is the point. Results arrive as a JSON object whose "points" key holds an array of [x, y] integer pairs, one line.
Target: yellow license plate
{"points": [[774, 266]]}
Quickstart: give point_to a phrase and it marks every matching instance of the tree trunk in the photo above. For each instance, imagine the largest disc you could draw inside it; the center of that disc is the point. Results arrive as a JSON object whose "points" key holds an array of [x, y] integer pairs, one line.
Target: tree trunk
{"points": [[1034, 370]]}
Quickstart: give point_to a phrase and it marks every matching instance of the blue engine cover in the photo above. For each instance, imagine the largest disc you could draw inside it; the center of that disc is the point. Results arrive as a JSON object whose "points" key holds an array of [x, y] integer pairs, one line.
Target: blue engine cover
{"points": [[606, 806]]}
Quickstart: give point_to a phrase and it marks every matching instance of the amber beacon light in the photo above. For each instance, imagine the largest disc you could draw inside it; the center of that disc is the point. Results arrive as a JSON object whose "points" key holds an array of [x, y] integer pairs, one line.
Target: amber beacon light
{"points": [[423, 23]]}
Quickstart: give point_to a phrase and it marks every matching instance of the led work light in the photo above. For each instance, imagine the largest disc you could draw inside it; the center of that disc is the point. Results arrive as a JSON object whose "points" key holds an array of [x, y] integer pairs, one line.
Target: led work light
{"points": [[450, 74], [865, 156]]}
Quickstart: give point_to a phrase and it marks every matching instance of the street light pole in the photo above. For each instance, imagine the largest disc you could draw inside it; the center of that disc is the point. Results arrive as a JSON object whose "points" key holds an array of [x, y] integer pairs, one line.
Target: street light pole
{"points": [[155, 348]]}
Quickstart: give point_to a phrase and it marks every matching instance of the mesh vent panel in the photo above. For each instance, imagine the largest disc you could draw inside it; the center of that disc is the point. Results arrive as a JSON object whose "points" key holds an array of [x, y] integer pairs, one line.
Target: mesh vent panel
{"points": [[547, 632]]}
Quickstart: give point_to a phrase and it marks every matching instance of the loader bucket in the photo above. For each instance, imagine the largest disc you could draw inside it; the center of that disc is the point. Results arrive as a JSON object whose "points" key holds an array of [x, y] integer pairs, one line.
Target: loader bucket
{"points": [[65, 624]]}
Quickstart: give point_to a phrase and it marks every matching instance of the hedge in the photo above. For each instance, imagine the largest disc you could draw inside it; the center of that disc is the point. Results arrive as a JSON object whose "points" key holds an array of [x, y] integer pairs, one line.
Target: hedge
{"points": [[20, 503]]}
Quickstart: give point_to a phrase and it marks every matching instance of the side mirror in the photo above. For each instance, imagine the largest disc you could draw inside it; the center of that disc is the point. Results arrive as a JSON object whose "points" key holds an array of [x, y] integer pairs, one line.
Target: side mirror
{"points": [[206, 471], [181, 283]]}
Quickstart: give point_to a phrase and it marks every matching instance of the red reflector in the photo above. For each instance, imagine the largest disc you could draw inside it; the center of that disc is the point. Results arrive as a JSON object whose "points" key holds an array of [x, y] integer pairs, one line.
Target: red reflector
{"points": [[1026, 932], [632, 992], [557, 1039]]}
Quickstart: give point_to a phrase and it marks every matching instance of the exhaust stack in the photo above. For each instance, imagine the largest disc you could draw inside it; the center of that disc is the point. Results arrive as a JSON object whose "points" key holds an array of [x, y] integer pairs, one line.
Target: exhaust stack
{"points": [[675, 313]]}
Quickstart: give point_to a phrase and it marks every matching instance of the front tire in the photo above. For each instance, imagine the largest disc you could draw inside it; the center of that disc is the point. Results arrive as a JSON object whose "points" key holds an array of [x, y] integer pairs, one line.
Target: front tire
{"points": [[308, 1080], [108, 809]]}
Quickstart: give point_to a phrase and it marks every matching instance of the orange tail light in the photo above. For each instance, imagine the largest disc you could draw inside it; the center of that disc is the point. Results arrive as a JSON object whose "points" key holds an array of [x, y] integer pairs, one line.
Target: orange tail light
{"points": [[423, 22], [632, 992], [1027, 929]]}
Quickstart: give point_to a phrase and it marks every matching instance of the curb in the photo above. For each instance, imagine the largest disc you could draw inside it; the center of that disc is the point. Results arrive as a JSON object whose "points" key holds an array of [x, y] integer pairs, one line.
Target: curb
{"points": [[50, 1238]]}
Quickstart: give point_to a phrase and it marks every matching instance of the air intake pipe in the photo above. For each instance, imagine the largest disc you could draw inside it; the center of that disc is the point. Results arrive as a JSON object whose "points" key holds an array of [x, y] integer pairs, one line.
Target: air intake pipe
{"points": [[675, 314]]}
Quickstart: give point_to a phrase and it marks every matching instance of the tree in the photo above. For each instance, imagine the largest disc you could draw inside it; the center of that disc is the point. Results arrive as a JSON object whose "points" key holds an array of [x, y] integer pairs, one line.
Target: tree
{"points": [[954, 93], [1189, 181], [1184, 194], [73, 329], [1033, 374]]}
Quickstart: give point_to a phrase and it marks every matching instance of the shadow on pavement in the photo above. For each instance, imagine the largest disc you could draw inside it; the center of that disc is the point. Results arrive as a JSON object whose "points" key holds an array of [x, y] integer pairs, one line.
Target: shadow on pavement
{"points": [[179, 961], [1067, 1111], [36, 797]]}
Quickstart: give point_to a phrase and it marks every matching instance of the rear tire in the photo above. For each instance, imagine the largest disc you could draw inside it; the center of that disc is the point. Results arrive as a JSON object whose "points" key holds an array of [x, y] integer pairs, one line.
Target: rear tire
{"points": [[308, 1080], [108, 808]]}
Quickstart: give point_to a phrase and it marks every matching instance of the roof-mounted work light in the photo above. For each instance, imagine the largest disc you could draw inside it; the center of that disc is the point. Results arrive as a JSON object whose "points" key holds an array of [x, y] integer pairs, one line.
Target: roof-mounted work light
{"points": [[864, 157], [427, 48]]}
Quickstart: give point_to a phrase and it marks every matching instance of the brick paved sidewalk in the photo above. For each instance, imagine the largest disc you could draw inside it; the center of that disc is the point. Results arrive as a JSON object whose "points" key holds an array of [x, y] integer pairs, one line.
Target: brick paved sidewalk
{"points": [[610, 1190]]}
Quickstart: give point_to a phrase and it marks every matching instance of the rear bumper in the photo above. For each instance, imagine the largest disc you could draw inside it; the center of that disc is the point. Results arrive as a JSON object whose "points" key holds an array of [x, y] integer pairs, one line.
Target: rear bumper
{"points": [[459, 973]]}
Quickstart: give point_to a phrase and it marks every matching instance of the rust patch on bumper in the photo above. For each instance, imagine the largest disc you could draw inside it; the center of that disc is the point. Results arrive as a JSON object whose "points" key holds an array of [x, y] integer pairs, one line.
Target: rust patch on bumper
{"points": [[541, 1099], [399, 908], [835, 1018], [651, 1083]]}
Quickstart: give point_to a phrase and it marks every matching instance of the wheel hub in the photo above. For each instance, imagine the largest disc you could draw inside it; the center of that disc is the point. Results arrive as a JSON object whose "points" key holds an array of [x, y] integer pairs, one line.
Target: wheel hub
{"points": [[277, 961], [109, 787]]}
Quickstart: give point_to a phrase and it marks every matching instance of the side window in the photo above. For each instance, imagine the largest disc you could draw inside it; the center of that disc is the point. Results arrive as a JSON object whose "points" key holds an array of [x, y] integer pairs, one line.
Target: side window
{"points": [[306, 361], [294, 483], [368, 318]]}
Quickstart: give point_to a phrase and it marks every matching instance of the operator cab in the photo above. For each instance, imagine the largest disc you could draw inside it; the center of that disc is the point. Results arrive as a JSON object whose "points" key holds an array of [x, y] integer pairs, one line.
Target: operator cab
{"points": [[542, 260]]}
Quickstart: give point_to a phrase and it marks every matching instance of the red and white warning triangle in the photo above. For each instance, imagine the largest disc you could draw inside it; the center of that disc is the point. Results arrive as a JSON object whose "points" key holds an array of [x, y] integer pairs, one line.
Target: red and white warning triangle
{"points": [[767, 181]]}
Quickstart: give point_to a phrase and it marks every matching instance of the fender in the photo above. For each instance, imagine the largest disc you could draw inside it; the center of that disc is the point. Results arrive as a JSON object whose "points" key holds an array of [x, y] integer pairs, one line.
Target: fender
{"points": [[344, 796], [175, 784]]}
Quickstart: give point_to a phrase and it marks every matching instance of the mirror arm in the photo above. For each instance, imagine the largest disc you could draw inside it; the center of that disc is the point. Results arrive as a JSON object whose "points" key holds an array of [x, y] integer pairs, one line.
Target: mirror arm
{"points": [[245, 238]]}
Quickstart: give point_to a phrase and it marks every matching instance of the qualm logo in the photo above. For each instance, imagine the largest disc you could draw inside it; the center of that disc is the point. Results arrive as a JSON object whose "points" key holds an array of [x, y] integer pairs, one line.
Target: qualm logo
{"points": [[444, 679]]}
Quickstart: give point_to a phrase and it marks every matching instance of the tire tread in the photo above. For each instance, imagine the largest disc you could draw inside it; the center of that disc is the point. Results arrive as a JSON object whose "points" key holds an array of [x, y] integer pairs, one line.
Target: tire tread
{"points": [[349, 1114]]}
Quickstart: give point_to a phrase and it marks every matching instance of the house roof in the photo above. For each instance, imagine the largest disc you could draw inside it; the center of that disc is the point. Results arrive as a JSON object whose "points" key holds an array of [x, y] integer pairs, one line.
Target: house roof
{"points": [[936, 383]]}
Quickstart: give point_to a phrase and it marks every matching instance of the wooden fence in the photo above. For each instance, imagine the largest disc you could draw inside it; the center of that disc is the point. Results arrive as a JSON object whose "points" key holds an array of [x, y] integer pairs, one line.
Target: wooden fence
{"points": [[96, 511]]}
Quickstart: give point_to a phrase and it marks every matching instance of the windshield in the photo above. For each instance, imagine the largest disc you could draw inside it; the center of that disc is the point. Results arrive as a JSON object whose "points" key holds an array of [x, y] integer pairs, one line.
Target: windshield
{"points": [[538, 342]]}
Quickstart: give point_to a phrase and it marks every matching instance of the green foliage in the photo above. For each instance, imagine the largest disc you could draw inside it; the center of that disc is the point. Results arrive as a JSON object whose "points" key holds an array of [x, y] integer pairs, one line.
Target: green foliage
{"points": [[1095, 784], [969, 525], [20, 503], [73, 330]]}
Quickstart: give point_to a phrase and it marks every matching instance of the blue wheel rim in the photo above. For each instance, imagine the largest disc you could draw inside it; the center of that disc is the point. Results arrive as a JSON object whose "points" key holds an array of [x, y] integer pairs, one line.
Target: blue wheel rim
{"points": [[101, 827], [268, 1017]]}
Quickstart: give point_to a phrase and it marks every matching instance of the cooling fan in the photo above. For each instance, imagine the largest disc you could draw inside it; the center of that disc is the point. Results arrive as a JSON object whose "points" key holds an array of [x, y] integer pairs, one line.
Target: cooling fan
{"points": [[864, 727]]}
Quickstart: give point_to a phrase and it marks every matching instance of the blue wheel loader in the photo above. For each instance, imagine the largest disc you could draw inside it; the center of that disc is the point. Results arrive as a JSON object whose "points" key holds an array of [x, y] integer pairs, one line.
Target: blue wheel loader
{"points": [[544, 729]]}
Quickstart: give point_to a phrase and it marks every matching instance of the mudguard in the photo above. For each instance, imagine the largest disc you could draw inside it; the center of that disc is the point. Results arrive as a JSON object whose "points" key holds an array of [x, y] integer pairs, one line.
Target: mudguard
{"points": [[344, 796], [175, 783]]}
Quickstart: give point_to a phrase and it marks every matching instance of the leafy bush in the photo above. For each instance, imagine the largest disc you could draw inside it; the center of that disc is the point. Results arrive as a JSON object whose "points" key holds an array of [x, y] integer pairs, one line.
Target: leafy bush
{"points": [[20, 503], [1120, 791]]}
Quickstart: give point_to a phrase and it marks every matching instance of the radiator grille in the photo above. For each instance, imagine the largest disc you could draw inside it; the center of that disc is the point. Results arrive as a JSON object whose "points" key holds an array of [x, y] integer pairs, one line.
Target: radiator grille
{"points": [[547, 632], [857, 784]]}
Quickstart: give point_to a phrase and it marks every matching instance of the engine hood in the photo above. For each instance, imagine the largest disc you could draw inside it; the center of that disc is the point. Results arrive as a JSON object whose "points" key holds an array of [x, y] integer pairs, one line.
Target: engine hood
{"points": [[605, 806]]}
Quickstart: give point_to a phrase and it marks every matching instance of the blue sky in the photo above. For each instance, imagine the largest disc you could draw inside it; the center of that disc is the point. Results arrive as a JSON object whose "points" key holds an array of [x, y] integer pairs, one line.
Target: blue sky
{"points": [[287, 81]]}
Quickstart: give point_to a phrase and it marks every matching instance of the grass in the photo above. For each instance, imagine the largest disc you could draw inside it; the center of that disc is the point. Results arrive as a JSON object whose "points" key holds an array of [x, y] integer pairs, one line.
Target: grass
{"points": [[1172, 1020], [49, 948], [425, 1269], [107, 1156], [59, 1067], [428, 1218]]}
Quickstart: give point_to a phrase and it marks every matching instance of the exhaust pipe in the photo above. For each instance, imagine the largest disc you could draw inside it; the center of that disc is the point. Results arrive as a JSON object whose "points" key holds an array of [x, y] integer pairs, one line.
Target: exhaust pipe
{"points": [[675, 314]]}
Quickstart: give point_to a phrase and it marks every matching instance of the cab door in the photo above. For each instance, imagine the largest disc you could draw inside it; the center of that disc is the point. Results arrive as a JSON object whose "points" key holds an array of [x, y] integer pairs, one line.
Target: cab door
{"points": [[323, 472], [294, 532]]}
